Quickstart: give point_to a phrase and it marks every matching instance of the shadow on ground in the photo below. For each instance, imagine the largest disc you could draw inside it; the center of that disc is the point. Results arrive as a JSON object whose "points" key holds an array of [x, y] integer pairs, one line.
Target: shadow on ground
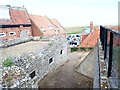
{"points": [[66, 76]]}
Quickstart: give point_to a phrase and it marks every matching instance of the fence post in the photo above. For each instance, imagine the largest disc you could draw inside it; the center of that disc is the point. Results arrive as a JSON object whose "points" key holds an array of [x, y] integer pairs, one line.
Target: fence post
{"points": [[102, 36], [110, 55], [105, 43]]}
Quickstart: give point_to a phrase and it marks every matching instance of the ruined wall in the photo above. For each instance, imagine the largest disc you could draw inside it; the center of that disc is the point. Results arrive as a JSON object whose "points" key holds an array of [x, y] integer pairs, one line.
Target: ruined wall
{"points": [[29, 68]]}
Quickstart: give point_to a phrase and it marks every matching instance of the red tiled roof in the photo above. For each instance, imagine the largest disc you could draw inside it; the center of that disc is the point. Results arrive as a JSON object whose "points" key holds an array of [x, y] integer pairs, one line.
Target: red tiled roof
{"points": [[55, 22], [114, 27], [43, 22], [17, 16], [58, 25], [91, 39], [4, 22]]}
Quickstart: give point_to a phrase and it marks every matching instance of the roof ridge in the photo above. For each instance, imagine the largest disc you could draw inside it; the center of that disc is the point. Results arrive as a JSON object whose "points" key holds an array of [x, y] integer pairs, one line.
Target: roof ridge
{"points": [[51, 22], [36, 15]]}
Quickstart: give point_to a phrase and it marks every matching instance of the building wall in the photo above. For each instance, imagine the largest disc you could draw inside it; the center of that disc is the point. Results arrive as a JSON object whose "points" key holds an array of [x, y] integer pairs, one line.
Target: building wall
{"points": [[35, 30], [19, 34], [7, 31], [38, 62]]}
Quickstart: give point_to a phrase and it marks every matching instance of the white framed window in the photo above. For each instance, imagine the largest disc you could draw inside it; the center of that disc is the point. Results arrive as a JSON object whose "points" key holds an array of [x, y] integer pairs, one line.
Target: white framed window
{"points": [[12, 33], [2, 34], [50, 27], [43, 29]]}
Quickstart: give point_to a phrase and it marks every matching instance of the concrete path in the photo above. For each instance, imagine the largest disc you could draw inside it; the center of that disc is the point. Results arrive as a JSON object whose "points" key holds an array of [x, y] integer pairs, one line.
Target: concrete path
{"points": [[66, 76], [87, 67]]}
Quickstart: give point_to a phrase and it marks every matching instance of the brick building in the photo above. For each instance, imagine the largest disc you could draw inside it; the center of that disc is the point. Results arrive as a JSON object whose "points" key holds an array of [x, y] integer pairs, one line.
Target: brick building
{"points": [[44, 26], [90, 40], [15, 25]]}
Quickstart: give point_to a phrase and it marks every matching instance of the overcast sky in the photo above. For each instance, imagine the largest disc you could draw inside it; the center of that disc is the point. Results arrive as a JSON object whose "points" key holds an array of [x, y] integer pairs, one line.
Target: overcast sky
{"points": [[72, 12]]}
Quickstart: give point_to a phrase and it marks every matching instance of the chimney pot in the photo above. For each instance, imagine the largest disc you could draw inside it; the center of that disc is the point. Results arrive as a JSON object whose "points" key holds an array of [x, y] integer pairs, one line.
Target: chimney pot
{"points": [[91, 26]]}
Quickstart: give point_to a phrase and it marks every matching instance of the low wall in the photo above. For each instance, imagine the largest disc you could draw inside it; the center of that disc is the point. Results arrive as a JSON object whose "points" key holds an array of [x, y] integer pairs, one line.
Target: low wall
{"points": [[87, 66], [29, 68], [5, 43]]}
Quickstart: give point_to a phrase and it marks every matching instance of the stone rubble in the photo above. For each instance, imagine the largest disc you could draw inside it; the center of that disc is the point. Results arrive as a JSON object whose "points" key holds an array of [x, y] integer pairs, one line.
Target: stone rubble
{"points": [[103, 69], [18, 75]]}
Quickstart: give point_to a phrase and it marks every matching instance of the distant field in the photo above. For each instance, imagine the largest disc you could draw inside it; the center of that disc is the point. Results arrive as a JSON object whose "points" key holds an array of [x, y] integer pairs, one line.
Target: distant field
{"points": [[73, 30]]}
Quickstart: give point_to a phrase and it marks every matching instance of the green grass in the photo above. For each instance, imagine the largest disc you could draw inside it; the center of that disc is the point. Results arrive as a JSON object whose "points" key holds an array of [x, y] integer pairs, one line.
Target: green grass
{"points": [[73, 49], [73, 30], [85, 49], [9, 78], [8, 62]]}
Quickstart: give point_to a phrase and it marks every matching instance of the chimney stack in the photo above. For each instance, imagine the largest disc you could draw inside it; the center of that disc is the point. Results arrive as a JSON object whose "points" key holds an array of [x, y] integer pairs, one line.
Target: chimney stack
{"points": [[91, 26]]}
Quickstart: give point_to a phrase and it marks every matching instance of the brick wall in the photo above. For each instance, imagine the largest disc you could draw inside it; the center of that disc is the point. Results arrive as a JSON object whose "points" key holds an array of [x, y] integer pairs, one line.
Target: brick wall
{"points": [[35, 30]]}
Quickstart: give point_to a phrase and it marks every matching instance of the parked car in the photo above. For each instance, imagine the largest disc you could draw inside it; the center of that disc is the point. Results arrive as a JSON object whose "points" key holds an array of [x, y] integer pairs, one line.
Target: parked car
{"points": [[73, 40]]}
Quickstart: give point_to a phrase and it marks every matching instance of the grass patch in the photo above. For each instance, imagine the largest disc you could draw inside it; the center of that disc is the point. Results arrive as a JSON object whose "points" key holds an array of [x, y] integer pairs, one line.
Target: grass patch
{"points": [[9, 78], [7, 62], [74, 30], [73, 49], [86, 49]]}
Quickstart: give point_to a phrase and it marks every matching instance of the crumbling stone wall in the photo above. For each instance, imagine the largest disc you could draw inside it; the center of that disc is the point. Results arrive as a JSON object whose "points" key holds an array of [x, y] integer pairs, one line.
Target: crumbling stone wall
{"points": [[5, 43], [29, 68]]}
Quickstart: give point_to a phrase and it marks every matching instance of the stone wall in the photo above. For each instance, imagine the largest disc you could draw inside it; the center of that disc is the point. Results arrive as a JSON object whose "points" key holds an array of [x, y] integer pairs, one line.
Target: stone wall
{"points": [[29, 68], [87, 66], [5, 43]]}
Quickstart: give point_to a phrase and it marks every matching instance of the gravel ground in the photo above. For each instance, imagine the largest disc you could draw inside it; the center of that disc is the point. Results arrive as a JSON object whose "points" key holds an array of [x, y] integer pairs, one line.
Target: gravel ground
{"points": [[19, 49], [66, 76]]}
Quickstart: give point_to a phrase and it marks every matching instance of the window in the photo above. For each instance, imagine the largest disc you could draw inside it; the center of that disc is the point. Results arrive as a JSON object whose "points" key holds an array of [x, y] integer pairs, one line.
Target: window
{"points": [[55, 30], [12, 33], [2, 34], [50, 27], [61, 51], [50, 60], [43, 29], [32, 75]]}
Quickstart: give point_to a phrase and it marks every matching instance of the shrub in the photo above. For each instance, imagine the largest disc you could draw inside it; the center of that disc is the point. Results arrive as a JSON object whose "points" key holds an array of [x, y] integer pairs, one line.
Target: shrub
{"points": [[86, 49], [83, 49], [74, 49], [9, 78], [90, 48], [7, 62]]}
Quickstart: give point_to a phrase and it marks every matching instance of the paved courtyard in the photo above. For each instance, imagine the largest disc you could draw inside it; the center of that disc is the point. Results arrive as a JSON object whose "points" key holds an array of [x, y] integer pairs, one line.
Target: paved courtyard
{"points": [[66, 76], [20, 49]]}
